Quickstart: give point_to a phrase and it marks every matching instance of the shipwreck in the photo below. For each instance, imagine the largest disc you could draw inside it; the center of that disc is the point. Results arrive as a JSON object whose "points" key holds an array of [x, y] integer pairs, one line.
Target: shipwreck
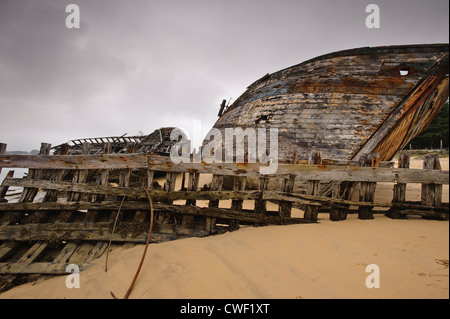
{"points": [[340, 120], [347, 103]]}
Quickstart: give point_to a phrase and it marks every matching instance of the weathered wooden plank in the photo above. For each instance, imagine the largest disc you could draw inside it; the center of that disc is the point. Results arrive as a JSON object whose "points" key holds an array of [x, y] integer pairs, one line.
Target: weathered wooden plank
{"points": [[261, 203], [79, 176], [216, 185], [44, 268], [367, 189], [157, 195], [28, 194], [4, 188], [102, 178], [109, 161], [158, 207], [159, 163], [56, 175], [239, 184], [308, 172], [340, 191], [318, 200], [193, 181], [65, 254], [284, 208], [312, 186], [410, 103], [86, 232], [399, 195], [7, 249], [431, 194], [302, 199]]}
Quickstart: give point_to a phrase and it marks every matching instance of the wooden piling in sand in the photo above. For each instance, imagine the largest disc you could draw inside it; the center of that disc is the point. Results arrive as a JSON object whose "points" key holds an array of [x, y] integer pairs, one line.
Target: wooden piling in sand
{"points": [[399, 190], [367, 189], [312, 187], [431, 194]]}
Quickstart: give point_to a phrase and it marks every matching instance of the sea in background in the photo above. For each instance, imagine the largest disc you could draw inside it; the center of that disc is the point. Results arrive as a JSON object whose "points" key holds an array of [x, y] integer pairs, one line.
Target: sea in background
{"points": [[13, 192]]}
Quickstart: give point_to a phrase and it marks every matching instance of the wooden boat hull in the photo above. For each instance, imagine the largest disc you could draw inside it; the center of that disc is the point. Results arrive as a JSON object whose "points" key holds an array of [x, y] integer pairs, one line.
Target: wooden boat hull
{"points": [[347, 103]]}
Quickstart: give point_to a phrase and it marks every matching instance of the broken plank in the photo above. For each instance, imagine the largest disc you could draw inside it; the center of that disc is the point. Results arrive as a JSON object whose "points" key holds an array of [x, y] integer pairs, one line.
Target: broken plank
{"points": [[85, 232]]}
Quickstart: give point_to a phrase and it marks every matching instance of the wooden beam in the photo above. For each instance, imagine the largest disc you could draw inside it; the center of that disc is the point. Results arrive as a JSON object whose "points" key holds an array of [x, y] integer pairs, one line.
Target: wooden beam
{"points": [[431, 194], [157, 195], [158, 207], [312, 186], [399, 195], [308, 172], [44, 268], [161, 163], [318, 200], [285, 207], [74, 161]]}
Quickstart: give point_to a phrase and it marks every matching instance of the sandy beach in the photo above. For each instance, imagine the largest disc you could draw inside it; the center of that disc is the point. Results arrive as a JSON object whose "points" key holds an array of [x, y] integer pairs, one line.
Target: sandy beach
{"points": [[323, 260]]}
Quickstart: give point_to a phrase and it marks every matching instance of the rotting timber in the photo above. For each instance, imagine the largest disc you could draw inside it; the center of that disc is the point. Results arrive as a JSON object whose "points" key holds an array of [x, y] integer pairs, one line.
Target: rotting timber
{"points": [[347, 103], [69, 200]]}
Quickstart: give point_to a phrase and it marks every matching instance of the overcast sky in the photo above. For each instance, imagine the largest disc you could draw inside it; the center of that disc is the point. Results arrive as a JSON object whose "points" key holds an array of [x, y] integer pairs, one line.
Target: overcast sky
{"points": [[139, 65]]}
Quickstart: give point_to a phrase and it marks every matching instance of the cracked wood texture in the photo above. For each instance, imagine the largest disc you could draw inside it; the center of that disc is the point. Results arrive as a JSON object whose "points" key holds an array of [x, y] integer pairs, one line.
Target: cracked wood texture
{"points": [[347, 103]]}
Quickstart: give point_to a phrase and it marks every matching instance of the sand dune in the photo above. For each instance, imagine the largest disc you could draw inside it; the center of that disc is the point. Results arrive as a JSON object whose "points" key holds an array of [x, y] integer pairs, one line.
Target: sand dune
{"points": [[323, 260]]}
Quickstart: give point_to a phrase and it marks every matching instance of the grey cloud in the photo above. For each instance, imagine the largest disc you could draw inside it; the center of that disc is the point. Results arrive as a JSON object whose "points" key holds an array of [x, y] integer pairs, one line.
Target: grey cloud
{"points": [[139, 65]]}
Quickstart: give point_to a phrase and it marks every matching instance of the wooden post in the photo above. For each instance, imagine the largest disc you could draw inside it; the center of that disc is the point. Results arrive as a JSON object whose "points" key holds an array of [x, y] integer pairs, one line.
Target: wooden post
{"points": [[284, 208], [312, 187], [102, 179], [432, 193], [183, 182], [169, 186], [57, 175], [80, 176], [367, 190], [2, 151], [343, 190], [125, 174], [28, 194], [148, 182], [399, 190], [261, 204], [238, 185], [237, 204], [216, 185], [193, 180]]}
